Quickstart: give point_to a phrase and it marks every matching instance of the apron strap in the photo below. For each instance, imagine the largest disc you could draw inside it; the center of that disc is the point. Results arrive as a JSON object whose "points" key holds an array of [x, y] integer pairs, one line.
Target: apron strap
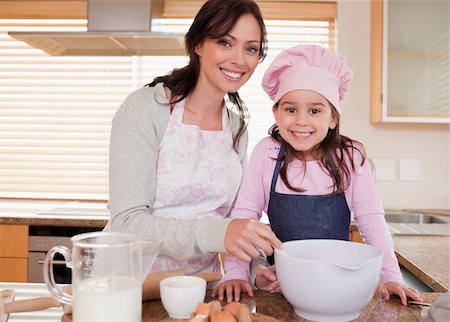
{"points": [[276, 172]]}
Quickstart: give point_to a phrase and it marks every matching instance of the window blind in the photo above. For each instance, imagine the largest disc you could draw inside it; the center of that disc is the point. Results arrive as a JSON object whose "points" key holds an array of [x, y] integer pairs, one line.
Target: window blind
{"points": [[56, 112]]}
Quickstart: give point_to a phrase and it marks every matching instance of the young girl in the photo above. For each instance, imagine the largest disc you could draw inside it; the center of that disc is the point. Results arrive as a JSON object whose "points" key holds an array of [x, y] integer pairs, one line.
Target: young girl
{"points": [[306, 176]]}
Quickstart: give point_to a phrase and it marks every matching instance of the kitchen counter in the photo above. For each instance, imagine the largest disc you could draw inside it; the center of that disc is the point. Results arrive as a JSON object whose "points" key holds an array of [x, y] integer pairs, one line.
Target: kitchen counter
{"points": [[266, 304], [53, 213], [276, 306], [427, 258], [426, 254]]}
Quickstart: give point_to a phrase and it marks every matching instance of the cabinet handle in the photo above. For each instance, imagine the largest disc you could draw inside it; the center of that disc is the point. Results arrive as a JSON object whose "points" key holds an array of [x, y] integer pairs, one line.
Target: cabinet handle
{"points": [[41, 262]]}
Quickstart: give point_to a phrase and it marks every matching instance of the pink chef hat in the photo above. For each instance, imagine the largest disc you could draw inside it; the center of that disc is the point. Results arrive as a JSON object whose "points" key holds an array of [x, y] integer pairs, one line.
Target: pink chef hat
{"points": [[308, 67]]}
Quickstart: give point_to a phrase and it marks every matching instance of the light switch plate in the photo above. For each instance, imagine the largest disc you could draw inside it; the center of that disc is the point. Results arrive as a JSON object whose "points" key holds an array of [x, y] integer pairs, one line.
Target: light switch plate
{"points": [[385, 169], [410, 169]]}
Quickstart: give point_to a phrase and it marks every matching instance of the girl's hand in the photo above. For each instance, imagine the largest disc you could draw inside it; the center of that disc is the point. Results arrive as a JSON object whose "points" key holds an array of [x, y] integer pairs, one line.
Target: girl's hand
{"points": [[232, 287], [401, 290], [266, 279]]}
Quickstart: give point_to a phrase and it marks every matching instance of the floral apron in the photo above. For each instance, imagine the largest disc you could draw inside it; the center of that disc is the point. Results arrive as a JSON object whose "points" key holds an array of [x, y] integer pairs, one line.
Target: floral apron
{"points": [[198, 175]]}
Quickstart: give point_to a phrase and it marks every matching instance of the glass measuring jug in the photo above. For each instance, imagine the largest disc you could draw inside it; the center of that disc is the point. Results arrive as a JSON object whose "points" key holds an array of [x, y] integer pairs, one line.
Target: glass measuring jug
{"points": [[108, 269]]}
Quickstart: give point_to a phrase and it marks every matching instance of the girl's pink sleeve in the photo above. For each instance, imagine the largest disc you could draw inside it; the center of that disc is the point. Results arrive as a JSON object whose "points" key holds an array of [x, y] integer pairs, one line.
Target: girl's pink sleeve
{"points": [[253, 194], [369, 215], [236, 269], [375, 232], [250, 203]]}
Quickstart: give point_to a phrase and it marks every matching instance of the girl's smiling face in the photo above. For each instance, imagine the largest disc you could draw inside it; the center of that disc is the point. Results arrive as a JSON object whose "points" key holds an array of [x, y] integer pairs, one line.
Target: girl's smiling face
{"points": [[303, 118]]}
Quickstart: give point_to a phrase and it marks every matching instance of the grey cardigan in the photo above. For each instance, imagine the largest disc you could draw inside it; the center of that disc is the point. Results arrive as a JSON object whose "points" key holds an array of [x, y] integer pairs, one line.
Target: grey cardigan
{"points": [[137, 130]]}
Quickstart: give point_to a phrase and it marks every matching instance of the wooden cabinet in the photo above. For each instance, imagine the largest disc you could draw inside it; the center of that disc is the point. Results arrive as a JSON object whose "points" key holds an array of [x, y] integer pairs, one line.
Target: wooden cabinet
{"points": [[13, 253], [410, 61], [355, 236]]}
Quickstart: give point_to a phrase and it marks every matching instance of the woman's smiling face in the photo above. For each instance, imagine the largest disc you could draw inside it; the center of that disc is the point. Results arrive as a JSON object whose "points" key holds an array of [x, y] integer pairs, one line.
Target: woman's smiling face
{"points": [[228, 62], [303, 118]]}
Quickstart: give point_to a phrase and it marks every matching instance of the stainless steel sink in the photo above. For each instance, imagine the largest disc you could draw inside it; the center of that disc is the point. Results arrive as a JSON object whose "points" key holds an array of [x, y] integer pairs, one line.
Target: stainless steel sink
{"points": [[413, 218], [410, 223]]}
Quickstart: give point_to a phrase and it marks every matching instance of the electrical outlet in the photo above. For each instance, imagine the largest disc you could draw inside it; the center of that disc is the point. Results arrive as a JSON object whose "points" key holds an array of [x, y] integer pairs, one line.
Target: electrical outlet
{"points": [[385, 169], [410, 169]]}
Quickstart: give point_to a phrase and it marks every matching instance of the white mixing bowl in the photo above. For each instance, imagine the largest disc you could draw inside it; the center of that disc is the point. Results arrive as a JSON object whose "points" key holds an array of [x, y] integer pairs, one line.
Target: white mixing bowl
{"points": [[328, 280]]}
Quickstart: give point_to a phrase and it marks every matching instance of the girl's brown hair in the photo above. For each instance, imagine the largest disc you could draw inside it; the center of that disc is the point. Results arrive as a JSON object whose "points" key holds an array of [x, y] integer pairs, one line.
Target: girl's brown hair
{"points": [[215, 19], [332, 153]]}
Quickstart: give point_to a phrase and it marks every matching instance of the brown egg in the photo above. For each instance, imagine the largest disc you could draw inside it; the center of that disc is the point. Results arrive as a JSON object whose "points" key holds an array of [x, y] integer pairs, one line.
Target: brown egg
{"points": [[203, 309], [199, 318], [233, 308], [214, 307], [244, 314], [222, 316]]}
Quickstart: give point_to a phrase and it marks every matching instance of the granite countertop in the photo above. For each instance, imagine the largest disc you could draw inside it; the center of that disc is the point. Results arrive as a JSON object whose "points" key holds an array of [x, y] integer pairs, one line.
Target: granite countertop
{"points": [[427, 258], [53, 213], [267, 304], [275, 305]]}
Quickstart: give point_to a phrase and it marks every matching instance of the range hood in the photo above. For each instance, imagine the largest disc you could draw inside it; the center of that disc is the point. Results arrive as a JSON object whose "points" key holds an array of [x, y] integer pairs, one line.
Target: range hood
{"points": [[115, 28]]}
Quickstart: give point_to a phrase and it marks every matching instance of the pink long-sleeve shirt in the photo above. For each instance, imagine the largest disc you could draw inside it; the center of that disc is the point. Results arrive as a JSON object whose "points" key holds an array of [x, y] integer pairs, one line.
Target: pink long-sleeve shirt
{"points": [[361, 196]]}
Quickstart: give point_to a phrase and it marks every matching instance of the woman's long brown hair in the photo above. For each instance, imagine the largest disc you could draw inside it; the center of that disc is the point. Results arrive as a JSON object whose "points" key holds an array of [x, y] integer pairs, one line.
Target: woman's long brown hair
{"points": [[215, 19], [333, 154]]}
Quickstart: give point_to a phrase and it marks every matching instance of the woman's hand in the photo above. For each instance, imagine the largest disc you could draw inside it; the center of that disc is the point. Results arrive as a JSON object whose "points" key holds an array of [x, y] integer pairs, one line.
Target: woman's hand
{"points": [[244, 238], [401, 290], [266, 279], [232, 287]]}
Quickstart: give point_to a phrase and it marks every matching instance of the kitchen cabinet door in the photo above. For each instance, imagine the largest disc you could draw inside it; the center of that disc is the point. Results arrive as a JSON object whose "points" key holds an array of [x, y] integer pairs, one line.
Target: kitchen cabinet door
{"points": [[14, 270], [355, 236], [410, 61], [13, 253]]}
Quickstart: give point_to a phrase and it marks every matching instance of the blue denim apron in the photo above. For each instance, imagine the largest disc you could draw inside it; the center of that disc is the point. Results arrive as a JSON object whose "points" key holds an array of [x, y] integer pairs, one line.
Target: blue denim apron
{"points": [[295, 217]]}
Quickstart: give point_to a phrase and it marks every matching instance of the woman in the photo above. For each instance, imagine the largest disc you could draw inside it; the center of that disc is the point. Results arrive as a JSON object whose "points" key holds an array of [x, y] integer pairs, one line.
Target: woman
{"points": [[177, 152]]}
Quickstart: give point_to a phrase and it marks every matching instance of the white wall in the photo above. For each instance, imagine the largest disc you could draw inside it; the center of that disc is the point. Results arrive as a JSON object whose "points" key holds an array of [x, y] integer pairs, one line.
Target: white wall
{"points": [[428, 143]]}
